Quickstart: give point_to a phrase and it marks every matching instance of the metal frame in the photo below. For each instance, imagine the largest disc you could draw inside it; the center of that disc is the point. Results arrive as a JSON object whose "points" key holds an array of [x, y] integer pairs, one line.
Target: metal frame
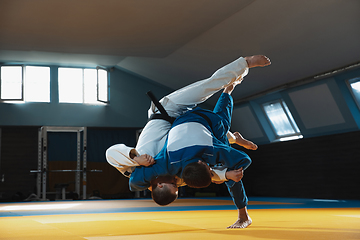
{"points": [[84, 162], [43, 158]]}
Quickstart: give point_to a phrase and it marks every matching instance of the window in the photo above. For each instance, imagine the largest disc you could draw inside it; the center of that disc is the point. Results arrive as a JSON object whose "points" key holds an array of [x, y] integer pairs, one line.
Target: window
{"points": [[25, 83], [355, 89], [102, 83], [11, 83], [37, 84], [79, 85], [281, 120]]}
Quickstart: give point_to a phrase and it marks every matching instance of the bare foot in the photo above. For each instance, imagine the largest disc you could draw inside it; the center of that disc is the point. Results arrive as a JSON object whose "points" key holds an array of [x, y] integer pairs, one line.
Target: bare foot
{"points": [[241, 223], [257, 61], [243, 142]]}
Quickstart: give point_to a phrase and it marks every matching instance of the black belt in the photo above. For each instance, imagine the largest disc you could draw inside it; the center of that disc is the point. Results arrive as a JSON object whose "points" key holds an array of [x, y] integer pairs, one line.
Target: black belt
{"points": [[163, 114]]}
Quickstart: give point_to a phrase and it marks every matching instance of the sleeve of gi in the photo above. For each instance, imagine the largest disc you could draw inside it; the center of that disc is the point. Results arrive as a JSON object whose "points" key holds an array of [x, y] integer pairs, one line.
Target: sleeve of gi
{"points": [[119, 157]]}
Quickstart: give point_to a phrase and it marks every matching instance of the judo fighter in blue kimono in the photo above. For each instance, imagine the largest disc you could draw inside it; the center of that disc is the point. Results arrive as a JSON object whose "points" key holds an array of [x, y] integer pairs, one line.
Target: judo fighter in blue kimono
{"points": [[208, 134], [197, 143]]}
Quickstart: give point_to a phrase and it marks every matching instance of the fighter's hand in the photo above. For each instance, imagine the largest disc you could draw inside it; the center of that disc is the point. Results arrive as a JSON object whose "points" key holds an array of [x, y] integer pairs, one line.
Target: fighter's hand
{"points": [[145, 160], [235, 175]]}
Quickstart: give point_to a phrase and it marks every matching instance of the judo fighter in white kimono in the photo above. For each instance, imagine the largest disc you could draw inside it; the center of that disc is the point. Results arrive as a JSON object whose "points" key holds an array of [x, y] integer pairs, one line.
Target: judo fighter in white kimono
{"points": [[153, 136]]}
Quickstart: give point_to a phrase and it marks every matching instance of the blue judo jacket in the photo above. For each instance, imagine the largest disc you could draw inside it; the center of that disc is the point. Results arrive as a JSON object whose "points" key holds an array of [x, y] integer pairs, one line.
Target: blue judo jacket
{"points": [[193, 137]]}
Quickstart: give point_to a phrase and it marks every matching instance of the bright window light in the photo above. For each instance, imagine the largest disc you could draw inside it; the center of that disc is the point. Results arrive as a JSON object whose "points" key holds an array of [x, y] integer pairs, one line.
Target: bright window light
{"points": [[70, 85], [21, 84], [291, 119], [290, 138], [11, 83], [78, 85], [281, 120], [355, 87], [102, 85], [37, 84], [90, 86]]}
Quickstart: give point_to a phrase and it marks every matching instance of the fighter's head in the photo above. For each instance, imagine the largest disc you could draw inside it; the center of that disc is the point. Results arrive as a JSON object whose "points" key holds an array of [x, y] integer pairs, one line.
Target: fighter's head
{"points": [[197, 174], [164, 190]]}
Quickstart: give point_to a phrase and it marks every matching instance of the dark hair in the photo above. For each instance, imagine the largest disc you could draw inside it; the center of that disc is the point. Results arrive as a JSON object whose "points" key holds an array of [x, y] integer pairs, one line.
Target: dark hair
{"points": [[163, 196], [196, 175]]}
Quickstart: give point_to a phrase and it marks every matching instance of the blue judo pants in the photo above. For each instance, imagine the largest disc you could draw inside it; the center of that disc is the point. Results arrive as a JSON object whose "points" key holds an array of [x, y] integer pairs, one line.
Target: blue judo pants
{"points": [[224, 109]]}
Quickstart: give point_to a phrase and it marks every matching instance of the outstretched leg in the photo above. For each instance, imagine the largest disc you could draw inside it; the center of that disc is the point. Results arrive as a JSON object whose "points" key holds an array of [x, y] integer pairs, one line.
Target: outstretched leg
{"points": [[153, 136], [252, 61], [200, 91]]}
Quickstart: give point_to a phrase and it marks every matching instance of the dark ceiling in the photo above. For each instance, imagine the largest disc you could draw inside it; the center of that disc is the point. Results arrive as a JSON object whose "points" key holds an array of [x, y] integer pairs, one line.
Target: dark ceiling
{"points": [[176, 42]]}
